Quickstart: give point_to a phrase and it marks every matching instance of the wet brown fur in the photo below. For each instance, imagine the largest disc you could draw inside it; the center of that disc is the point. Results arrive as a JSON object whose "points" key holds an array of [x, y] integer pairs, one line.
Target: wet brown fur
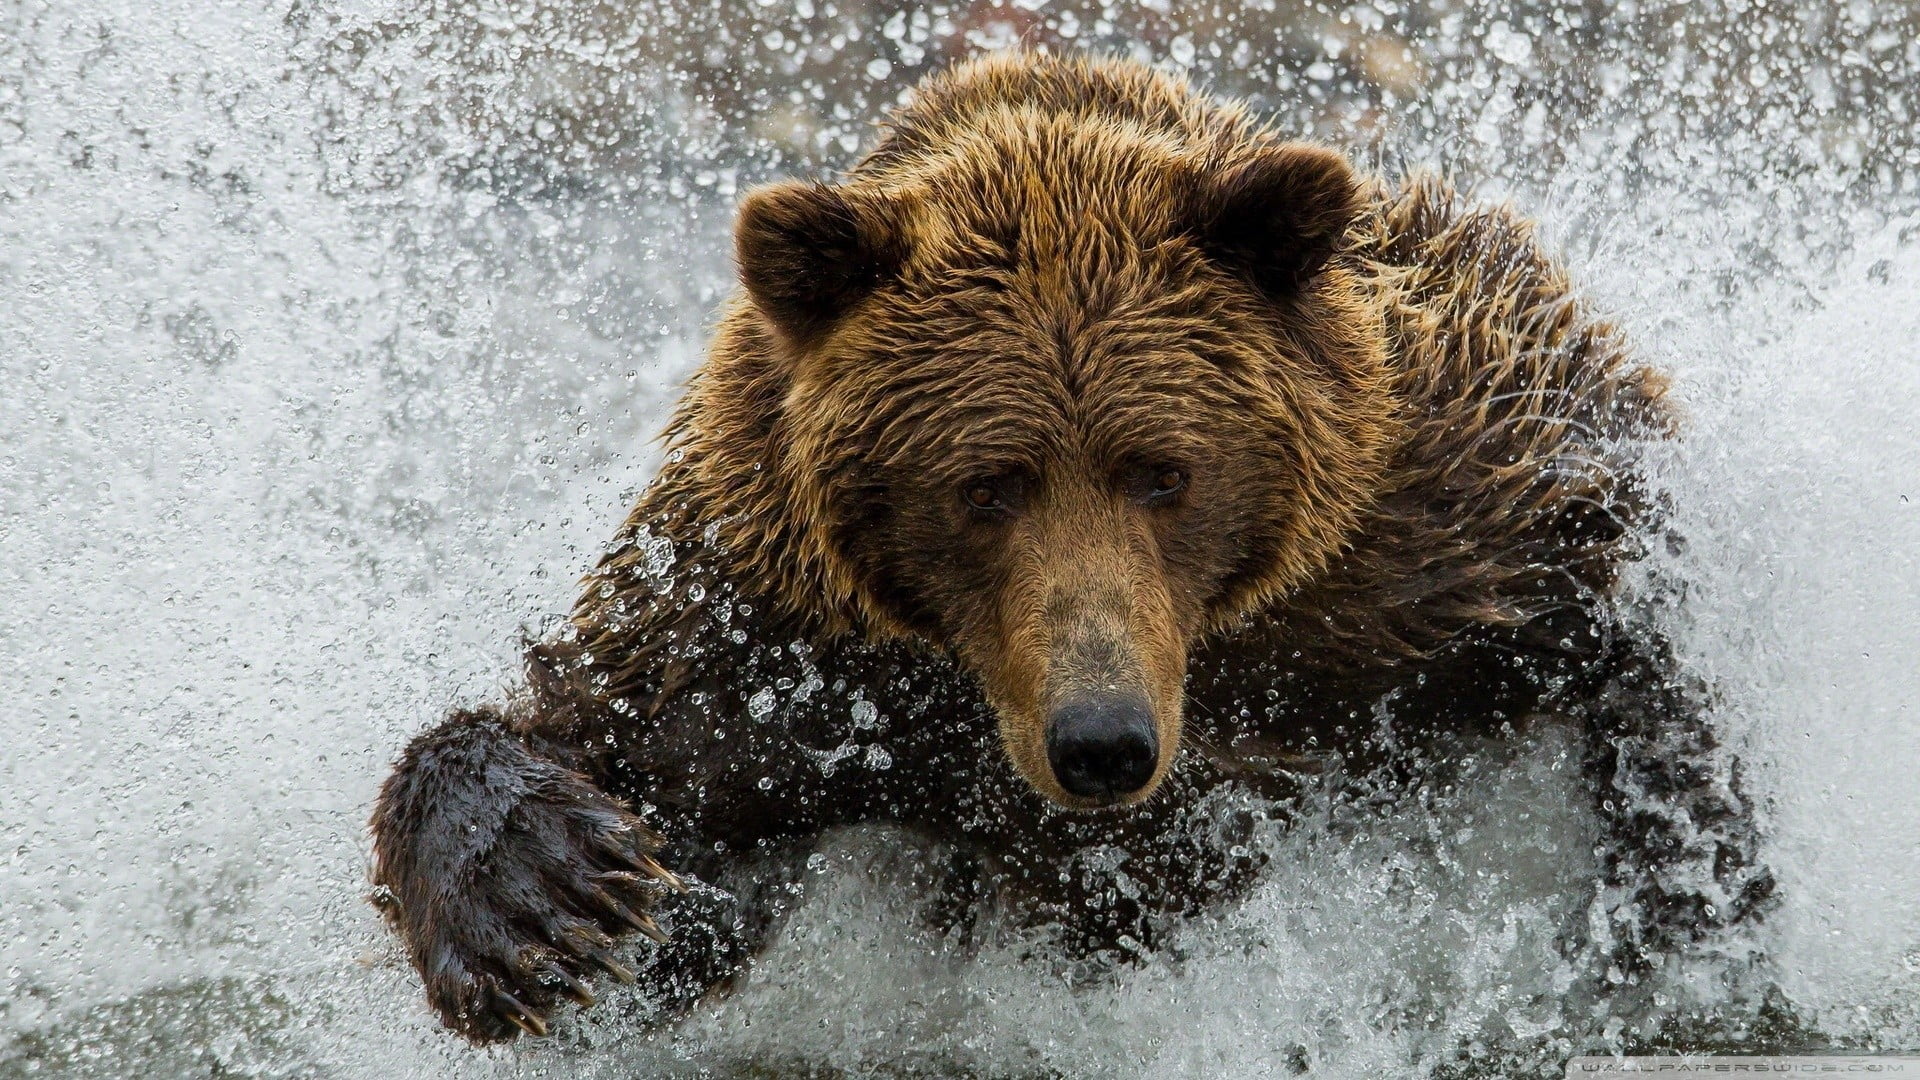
{"points": [[1408, 450]]}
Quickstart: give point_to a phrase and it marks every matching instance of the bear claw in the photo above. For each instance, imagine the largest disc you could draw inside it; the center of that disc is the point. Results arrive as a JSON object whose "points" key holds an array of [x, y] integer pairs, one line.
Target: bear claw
{"points": [[510, 1008], [575, 990], [604, 960], [645, 865]]}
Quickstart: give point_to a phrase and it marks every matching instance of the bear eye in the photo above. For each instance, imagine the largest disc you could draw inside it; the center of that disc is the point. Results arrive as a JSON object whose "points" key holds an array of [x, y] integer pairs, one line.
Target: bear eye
{"points": [[982, 495], [1167, 482]]}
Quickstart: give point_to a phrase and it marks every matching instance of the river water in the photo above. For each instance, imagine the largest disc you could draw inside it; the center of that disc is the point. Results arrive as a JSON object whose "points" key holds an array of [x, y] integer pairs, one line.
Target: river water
{"points": [[332, 336]]}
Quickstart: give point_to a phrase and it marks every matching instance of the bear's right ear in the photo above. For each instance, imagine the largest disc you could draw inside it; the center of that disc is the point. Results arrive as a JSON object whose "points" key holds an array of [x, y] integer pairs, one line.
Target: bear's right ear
{"points": [[808, 252], [1277, 217]]}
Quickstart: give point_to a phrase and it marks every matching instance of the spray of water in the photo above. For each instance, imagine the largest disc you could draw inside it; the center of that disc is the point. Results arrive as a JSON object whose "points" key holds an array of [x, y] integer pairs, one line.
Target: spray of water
{"points": [[331, 336]]}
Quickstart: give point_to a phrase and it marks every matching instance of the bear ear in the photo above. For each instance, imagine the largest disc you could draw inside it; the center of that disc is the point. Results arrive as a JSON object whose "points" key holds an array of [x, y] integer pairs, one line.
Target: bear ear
{"points": [[1277, 218], [808, 252]]}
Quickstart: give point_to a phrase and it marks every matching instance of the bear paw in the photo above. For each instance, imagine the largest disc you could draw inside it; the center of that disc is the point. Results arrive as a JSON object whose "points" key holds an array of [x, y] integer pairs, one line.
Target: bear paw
{"points": [[509, 878]]}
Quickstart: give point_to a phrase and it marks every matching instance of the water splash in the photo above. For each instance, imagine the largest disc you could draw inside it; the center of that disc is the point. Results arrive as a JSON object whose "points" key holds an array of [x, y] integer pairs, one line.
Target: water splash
{"points": [[333, 335]]}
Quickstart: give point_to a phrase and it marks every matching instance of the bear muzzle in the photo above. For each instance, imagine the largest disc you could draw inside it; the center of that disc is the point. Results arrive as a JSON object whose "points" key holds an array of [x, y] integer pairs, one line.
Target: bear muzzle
{"points": [[1103, 746]]}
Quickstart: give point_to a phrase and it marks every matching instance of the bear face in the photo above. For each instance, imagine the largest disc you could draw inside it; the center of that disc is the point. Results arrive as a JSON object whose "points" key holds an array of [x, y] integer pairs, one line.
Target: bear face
{"points": [[1064, 430]]}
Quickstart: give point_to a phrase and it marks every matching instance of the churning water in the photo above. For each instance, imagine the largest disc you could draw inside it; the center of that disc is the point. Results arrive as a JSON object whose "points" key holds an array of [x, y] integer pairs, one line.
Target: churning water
{"points": [[332, 334]]}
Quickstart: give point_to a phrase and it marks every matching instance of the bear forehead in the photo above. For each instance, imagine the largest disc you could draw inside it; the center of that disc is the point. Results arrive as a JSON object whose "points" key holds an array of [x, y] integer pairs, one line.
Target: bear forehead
{"points": [[1040, 341], [1040, 440], [1019, 395], [1025, 187], [1108, 336]]}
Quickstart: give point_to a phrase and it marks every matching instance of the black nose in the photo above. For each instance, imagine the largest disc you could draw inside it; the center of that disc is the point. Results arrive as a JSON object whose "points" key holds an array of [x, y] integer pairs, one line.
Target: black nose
{"points": [[1102, 745]]}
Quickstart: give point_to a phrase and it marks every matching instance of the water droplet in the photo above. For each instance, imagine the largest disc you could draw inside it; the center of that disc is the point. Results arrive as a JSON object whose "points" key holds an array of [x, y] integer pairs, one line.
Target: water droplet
{"points": [[1510, 45], [760, 705]]}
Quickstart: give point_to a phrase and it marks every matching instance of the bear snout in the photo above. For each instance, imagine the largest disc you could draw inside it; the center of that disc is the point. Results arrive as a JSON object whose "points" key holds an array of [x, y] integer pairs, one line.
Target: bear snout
{"points": [[1103, 746]]}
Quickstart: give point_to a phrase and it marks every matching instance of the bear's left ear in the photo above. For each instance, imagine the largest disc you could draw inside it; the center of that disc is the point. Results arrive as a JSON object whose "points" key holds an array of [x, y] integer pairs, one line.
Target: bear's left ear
{"points": [[1276, 218], [808, 252]]}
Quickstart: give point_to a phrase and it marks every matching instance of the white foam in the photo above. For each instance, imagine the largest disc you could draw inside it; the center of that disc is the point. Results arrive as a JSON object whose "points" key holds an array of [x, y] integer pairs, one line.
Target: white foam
{"points": [[1800, 488]]}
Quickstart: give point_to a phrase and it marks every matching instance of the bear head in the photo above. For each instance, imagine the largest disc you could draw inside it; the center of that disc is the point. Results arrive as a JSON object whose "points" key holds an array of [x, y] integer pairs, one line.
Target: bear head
{"points": [[1060, 394]]}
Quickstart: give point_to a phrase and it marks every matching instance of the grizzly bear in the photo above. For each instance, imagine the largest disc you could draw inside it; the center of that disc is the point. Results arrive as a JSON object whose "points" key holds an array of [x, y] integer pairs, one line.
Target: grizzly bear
{"points": [[1086, 448]]}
